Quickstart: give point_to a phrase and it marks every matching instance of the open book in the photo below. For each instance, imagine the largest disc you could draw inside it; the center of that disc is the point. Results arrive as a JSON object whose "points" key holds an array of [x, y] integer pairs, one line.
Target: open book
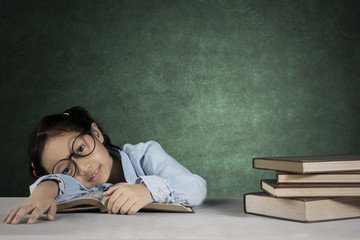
{"points": [[96, 201]]}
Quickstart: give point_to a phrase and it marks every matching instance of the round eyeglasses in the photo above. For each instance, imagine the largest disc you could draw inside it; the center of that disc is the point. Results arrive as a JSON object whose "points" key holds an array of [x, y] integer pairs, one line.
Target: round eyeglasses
{"points": [[82, 146]]}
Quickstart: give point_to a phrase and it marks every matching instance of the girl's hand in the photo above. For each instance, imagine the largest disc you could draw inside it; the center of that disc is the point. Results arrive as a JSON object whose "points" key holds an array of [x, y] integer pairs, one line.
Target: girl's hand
{"points": [[42, 200], [127, 199]]}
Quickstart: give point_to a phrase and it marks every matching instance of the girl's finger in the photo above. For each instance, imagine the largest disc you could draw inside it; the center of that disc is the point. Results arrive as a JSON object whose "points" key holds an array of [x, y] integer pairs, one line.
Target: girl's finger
{"points": [[35, 215], [112, 200], [119, 204], [21, 213], [51, 212], [126, 206], [134, 209], [6, 217], [110, 191], [10, 216], [113, 188]]}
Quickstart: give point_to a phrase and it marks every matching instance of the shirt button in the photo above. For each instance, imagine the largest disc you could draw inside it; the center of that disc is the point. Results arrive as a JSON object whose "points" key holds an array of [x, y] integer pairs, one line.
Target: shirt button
{"points": [[160, 193]]}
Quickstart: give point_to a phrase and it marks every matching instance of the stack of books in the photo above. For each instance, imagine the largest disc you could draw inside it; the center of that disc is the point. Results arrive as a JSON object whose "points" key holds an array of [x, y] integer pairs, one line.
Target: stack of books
{"points": [[308, 189]]}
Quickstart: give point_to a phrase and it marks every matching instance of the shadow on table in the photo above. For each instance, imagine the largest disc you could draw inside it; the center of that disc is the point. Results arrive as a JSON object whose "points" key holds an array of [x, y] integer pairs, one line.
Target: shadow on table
{"points": [[226, 206], [41, 219]]}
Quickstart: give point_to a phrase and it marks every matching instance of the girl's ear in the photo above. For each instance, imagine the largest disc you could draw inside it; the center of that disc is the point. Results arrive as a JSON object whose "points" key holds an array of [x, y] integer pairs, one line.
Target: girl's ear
{"points": [[96, 132]]}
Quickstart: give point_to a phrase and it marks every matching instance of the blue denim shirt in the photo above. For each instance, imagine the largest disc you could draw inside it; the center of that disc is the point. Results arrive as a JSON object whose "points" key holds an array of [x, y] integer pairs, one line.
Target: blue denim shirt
{"points": [[167, 180]]}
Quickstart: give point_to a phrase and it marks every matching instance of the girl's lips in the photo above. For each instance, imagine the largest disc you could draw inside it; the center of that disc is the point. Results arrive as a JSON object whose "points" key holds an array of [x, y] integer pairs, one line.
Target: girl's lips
{"points": [[95, 175]]}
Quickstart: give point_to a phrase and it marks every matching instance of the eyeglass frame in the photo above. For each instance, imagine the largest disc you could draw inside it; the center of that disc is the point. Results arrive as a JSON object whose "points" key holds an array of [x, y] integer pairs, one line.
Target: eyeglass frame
{"points": [[74, 154]]}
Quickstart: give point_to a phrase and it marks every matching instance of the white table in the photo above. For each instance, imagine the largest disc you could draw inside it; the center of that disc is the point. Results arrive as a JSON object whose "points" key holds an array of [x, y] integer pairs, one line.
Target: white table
{"points": [[216, 219]]}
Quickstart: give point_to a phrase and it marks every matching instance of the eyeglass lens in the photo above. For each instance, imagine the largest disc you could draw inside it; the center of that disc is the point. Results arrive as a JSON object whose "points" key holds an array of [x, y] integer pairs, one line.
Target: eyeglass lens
{"points": [[83, 146]]}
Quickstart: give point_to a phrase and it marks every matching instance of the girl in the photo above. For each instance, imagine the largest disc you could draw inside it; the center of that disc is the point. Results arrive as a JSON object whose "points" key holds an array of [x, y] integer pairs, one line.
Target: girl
{"points": [[70, 155]]}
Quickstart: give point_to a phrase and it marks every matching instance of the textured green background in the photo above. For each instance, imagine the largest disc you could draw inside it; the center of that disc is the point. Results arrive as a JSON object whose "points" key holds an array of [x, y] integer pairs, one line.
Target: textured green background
{"points": [[215, 82]]}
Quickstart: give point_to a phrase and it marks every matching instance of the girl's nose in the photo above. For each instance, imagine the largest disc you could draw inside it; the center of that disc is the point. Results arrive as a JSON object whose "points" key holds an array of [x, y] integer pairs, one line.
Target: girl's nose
{"points": [[83, 167]]}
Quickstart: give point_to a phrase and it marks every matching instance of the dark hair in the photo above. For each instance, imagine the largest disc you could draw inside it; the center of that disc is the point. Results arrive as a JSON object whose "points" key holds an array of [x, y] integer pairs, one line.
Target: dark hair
{"points": [[74, 119]]}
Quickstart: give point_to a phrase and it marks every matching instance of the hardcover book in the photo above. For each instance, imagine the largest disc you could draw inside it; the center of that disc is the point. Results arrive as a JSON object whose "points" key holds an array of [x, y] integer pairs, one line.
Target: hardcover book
{"points": [[310, 164], [310, 189], [339, 177], [302, 209]]}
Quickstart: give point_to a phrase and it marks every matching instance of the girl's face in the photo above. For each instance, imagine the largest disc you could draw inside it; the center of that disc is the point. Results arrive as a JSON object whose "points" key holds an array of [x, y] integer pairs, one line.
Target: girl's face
{"points": [[92, 170]]}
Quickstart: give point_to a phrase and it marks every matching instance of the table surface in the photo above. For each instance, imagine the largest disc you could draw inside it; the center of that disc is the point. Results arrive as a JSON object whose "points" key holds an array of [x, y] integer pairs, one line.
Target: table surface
{"points": [[215, 219]]}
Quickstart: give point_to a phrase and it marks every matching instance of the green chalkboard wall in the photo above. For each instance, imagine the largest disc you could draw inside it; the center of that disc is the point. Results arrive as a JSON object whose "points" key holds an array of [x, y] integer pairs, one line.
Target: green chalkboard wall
{"points": [[216, 83]]}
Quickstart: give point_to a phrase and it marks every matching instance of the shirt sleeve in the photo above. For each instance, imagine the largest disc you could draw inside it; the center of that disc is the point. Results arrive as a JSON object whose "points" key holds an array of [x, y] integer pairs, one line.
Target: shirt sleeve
{"points": [[69, 187], [167, 180]]}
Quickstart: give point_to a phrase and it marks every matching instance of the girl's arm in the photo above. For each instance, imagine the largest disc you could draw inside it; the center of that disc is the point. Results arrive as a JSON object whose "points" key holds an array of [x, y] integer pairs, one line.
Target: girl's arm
{"points": [[69, 187], [57, 187], [167, 180], [162, 179], [41, 200]]}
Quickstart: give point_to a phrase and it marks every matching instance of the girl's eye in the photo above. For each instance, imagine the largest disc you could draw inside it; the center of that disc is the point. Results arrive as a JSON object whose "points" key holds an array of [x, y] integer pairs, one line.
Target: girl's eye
{"points": [[80, 150], [66, 170]]}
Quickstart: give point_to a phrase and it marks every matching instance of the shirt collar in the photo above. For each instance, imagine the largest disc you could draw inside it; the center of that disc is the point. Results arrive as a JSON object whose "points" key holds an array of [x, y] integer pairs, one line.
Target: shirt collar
{"points": [[129, 171]]}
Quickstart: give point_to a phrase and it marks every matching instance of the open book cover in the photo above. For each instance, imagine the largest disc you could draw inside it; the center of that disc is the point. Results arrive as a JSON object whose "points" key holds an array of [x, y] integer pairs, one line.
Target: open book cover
{"points": [[96, 201]]}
